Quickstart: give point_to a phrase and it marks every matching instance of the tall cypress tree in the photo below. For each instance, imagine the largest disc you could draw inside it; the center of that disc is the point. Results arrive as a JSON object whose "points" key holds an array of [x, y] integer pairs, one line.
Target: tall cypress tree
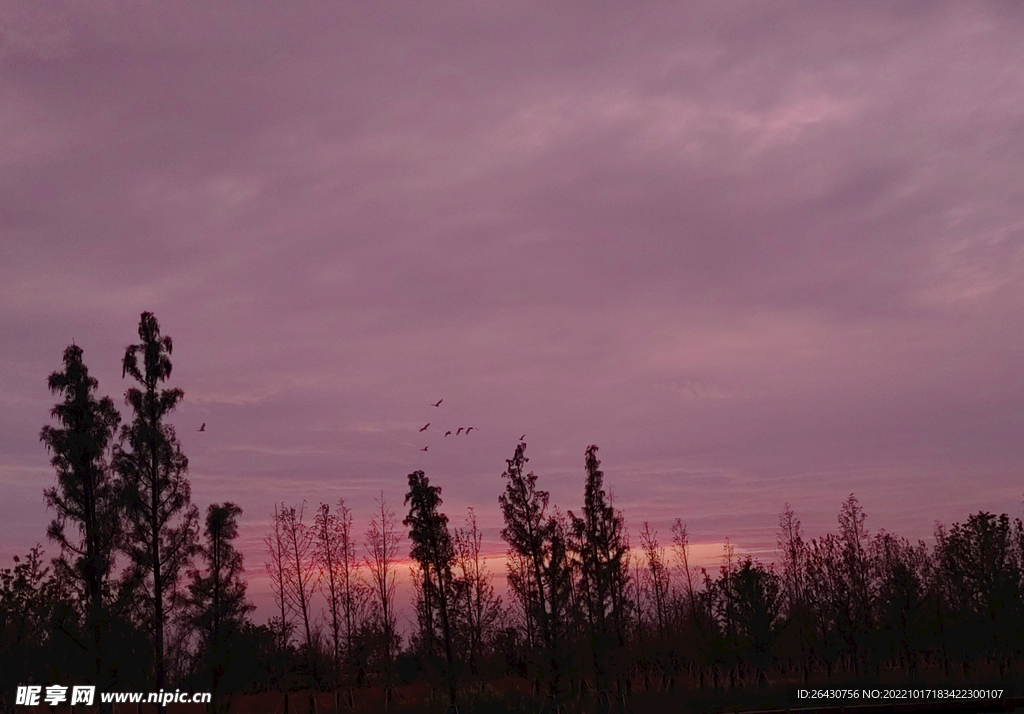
{"points": [[86, 496], [162, 524], [433, 549], [531, 537], [600, 535]]}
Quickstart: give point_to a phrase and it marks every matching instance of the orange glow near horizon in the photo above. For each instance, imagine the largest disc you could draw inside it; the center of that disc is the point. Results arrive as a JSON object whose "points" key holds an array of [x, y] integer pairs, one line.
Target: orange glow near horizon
{"points": [[702, 555]]}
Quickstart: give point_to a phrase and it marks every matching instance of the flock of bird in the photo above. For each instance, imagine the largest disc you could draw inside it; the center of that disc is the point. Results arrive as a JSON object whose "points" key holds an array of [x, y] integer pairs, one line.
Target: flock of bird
{"points": [[458, 432]]}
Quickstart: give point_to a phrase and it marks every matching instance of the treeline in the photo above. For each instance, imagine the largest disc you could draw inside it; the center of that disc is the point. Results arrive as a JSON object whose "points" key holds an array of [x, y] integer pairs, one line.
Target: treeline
{"points": [[144, 595]]}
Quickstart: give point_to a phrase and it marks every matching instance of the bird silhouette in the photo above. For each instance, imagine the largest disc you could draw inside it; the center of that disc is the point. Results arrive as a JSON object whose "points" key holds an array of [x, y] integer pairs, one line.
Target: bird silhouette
{"points": [[459, 431], [471, 429], [202, 428], [448, 433], [523, 437], [424, 448], [438, 403], [425, 426]]}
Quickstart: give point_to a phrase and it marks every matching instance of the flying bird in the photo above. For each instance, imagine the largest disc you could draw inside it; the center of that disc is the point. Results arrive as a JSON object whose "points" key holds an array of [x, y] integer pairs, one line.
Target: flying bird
{"points": [[523, 437], [424, 448], [448, 433], [471, 429], [202, 428], [438, 403], [425, 426], [459, 431]]}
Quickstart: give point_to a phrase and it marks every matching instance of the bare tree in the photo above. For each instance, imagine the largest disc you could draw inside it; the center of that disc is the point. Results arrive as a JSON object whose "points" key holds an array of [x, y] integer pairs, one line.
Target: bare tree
{"points": [[327, 552], [278, 554], [354, 591], [658, 575], [480, 609], [691, 606], [340, 579], [300, 574], [382, 542]]}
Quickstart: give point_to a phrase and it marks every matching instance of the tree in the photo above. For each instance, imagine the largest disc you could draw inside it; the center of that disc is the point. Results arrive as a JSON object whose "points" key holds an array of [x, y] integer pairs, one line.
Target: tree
{"points": [[689, 607], [382, 541], [856, 567], [798, 627], [86, 496], [790, 542], [278, 554], [300, 573], [524, 506], [217, 605], [899, 569], [754, 594], [34, 632], [828, 597], [982, 573], [328, 556], [433, 550], [478, 608], [336, 559], [658, 575], [161, 522], [538, 572], [602, 559], [557, 575]]}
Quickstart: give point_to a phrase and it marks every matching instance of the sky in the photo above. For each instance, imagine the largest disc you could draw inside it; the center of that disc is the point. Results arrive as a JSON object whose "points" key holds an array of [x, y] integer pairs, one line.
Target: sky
{"points": [[758, 252]]}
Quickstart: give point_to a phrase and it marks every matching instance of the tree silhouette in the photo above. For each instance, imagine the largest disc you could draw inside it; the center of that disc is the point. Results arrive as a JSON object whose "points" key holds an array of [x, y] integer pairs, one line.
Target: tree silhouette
{"points": [[301, 576], [980, 563], [161, 522], [602, 551], [479, 608], [382, 541], [434, 551], [217, 605], [528, 533], [689, 606], [754, 593], [901, 598], [86, 496], [38, 634], [658, 575], [275, 566], [797, 629], [336, 558], [856, 619]]}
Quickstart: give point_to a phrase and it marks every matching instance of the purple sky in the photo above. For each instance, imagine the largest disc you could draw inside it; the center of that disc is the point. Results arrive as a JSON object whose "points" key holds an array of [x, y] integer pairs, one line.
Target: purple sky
{"points": [[757, 252]]}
